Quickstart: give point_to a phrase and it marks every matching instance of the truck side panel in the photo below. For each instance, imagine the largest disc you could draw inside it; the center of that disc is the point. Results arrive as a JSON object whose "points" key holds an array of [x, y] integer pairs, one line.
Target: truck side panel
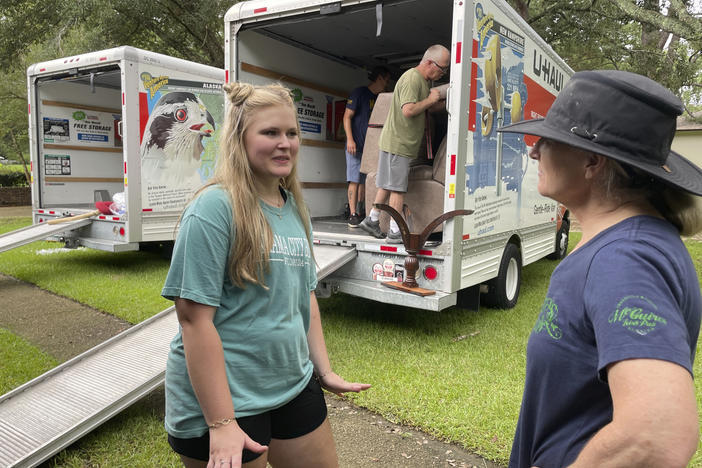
{"points": [[500, 177], [506, 85], [180, 120]]}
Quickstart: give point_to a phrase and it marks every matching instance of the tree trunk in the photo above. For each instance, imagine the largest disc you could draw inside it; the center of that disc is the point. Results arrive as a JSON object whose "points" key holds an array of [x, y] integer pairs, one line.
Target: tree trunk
{"points": [[522, 7]]}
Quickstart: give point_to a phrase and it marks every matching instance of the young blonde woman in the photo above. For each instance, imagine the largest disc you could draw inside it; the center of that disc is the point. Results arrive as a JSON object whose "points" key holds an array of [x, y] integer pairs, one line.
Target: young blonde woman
{"points": [[245, 372], [609, 361]]}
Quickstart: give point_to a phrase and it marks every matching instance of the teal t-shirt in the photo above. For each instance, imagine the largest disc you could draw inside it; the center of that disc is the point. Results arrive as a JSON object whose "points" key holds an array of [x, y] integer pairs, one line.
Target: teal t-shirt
{"points": [[402, 135], [263, 332]]}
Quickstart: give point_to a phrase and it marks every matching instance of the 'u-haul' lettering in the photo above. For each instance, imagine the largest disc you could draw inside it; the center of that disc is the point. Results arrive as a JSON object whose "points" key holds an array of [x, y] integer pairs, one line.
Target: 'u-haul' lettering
{"points": [[547, 71]]}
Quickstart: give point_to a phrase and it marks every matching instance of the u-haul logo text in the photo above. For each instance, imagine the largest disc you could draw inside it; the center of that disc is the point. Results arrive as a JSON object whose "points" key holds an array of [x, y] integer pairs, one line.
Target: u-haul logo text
{"points": [[547, 71]]}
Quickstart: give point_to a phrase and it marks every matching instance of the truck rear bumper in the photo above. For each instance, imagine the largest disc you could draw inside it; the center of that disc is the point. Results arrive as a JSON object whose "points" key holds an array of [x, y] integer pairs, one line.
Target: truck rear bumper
{"points": [[375, 291]]}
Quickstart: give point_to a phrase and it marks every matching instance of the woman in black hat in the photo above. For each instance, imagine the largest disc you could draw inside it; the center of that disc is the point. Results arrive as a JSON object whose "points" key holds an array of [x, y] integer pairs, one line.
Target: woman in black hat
{"points": [[609, 361]]}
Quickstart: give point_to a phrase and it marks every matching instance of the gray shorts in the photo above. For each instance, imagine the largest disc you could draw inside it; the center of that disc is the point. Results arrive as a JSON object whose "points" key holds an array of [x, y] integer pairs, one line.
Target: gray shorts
{"points": [[393, 172]]}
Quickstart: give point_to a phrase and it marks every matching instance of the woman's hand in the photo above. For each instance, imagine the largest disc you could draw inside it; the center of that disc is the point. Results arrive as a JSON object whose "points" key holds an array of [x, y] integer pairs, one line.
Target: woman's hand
{"points": [[226, 445], [331, 382]]}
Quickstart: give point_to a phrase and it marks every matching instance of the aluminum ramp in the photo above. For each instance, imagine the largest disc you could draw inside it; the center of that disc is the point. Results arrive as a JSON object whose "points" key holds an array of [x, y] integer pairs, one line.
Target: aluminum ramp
{"points": [[48, 413], [330, 258], [29, 234]]}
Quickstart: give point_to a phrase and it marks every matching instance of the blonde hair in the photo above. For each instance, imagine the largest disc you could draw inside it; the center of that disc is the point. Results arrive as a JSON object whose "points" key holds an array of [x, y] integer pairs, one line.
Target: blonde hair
{"points": [[680, 208], [253, 238]]}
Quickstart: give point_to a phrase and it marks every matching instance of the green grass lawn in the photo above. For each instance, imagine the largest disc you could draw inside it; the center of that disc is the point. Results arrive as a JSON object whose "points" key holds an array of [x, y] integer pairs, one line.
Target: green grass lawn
{"points": [[125, 284], [21, 361], [455, 374]]}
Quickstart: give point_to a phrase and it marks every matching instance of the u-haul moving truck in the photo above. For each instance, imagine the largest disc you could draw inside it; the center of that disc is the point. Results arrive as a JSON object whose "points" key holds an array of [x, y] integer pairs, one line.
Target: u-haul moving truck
{"points": [[126, 126], [501, 71]]}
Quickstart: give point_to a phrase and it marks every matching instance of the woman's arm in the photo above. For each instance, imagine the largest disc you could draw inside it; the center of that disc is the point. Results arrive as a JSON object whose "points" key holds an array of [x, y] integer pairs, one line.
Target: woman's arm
{"points": [[318, 354], [204, 358], [654, 421]]}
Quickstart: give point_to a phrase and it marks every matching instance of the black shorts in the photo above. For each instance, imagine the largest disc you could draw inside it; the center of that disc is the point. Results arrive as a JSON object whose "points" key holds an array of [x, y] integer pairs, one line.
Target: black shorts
{"points": [[302, 415]]}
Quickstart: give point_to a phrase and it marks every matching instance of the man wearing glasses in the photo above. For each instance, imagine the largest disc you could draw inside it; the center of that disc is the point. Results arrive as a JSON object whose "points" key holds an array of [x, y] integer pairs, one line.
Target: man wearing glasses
{"points": [[402, 135]]}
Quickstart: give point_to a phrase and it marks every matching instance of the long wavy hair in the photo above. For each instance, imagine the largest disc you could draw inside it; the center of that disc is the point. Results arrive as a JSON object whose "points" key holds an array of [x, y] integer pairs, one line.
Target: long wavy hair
{"points": [[253, 238]]}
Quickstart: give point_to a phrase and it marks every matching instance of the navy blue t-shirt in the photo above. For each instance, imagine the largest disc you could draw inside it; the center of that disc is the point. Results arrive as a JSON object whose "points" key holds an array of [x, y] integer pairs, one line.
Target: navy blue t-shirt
{"points": [[361, 102], [630, 292]]}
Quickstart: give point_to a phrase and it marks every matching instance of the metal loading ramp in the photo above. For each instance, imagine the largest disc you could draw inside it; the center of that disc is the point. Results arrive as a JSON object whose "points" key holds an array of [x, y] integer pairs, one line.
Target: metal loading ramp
{"points": [[330, 258], [48, 413], [29, 234]]}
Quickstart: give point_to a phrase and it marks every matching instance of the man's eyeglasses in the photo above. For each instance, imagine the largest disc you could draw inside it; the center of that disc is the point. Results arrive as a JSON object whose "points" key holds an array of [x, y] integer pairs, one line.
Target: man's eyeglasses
{"points": [[443, 69]]}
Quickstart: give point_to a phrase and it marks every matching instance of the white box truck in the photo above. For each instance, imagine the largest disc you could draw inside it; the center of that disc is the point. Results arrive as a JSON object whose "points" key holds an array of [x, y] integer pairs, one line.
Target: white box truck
{"points": [[133, 129], [501, 71]]}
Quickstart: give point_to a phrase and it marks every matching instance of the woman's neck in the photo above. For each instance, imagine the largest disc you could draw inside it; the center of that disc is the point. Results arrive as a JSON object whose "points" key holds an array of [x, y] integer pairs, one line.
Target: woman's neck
{"points": [[270, 194], [599, 215]]}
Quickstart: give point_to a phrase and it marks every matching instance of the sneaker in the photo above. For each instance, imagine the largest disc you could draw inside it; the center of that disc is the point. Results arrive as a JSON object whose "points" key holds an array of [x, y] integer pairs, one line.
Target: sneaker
{"points": [[394, 237], [371, 227], [354, 220]]}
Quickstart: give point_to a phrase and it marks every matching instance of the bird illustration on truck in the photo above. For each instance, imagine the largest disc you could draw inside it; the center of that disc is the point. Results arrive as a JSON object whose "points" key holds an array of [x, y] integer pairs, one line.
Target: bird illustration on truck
{"points": [[173, 138]]}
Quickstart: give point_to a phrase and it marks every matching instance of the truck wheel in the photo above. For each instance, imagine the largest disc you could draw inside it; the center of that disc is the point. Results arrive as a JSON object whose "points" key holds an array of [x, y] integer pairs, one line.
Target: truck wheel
{"points": [[561, 241], [503, 291]]}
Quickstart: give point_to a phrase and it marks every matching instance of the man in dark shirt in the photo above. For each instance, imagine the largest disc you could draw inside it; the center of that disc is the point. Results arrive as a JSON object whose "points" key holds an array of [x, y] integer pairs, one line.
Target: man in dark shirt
{"points": [[358, 111]]}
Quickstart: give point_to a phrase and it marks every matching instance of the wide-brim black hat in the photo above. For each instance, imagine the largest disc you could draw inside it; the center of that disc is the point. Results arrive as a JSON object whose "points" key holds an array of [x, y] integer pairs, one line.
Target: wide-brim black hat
{"points": [[621, 115]]}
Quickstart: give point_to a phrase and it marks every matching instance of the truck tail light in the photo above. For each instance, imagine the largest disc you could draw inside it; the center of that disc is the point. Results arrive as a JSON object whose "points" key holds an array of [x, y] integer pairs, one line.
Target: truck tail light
{"points": [[430, 273]]}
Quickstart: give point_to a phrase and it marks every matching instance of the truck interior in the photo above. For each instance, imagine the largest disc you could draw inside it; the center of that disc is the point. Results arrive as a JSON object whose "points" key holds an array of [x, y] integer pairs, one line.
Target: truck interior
{"points": [[393, 34], [406, 28], [81, 165]]}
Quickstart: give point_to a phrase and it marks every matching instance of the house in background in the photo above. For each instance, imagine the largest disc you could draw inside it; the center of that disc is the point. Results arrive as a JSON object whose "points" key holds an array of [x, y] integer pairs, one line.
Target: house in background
{"points": [[688, 138]]}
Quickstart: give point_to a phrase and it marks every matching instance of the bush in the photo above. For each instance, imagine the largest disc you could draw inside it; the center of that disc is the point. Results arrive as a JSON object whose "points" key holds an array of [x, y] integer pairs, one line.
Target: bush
{"points": [[12, 176], [13, 179]]}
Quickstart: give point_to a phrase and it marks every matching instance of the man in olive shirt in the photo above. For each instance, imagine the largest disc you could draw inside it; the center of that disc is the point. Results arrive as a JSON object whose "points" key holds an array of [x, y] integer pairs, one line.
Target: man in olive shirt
{"points": [[402, 134]]}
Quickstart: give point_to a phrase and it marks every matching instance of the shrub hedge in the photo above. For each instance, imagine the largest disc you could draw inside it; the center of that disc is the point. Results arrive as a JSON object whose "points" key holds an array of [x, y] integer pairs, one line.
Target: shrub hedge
{"points": [[13, 179]]}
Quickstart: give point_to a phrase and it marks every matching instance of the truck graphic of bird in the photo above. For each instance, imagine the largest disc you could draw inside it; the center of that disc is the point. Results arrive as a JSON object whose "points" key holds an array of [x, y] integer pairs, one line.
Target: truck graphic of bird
{"points": [[172, 142]]}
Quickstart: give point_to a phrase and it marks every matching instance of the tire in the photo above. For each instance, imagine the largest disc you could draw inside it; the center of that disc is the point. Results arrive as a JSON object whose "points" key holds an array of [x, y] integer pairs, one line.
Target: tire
{"points": [[561, 241], [503, 291]]}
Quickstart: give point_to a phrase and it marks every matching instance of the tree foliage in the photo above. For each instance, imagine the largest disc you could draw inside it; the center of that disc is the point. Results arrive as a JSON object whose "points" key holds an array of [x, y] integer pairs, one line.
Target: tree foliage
{"points": [[32, 31], [658, 38], [189, 29]]}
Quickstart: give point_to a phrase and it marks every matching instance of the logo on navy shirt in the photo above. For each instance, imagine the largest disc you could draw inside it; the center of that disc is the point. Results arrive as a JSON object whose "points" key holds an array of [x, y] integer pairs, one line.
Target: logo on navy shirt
{"points": [[634, 314], [547, 320]]}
